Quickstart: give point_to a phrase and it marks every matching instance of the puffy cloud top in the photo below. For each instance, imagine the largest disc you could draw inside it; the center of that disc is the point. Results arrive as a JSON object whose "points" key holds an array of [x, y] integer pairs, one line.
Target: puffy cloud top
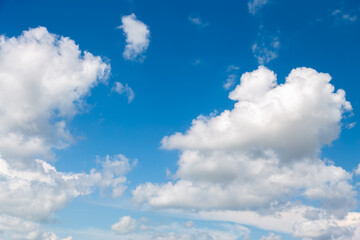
{"points": [[293, 119], [263, 153], [137, 37], [43, 81]]}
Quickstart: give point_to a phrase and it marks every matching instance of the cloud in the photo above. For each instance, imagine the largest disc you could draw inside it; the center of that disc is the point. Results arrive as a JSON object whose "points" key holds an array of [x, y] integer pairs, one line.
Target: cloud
{"points": [[266, 48], [263, 154], [125, 90], [52, 236], [271, 236], [137, 37], [16, 228], [35, 194], [339, 14], [125, 225], [255, 5], [198, 21], [189, 224], [322, 230], [44, 80], [231, 76], [300, 221], [132, 229]]}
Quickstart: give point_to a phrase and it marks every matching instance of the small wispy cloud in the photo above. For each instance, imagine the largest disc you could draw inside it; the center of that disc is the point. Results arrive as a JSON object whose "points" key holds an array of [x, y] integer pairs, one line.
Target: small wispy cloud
{"points": [[266, 48], [198, 21], [340, 14], [255, 5], [119, 88], [231, 76]]}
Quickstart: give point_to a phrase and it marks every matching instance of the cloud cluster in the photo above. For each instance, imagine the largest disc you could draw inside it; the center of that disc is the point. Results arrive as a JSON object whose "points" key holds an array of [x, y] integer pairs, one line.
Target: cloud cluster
{"points": [[263, 155], [137, 37], [44, 80], [35, 194], [339, 14], [133, 229]]}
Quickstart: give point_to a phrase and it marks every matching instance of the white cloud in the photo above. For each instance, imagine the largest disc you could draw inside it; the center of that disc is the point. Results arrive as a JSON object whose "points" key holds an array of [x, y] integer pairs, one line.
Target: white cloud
{"points": [[300, 221], [137, 37], [126, 90], [44, 79], [262, 154], [357, 170], [198, 21], [131, 229], [271, 236], [52, 236], [15, 228], [255, 5], [36, 193], [266, 48], [322, 230], [125, 225], [344, 16], [231, 76]]}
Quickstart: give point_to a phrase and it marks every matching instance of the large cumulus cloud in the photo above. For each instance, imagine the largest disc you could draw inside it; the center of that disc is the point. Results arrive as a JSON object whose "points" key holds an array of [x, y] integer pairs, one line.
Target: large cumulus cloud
{"points": [[264, 154], [44, 80]]}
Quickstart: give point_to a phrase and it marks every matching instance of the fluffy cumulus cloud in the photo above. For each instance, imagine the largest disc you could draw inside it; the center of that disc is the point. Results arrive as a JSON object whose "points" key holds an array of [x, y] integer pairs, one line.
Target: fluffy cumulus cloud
{"points": [[124, 90], [44, 79], [262, 155], [137, 37], [255, 5], [132, 229]]}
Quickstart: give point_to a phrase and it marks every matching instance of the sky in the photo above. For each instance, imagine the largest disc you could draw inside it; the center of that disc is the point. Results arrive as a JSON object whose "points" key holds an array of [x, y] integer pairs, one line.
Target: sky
{"points": [[179, 120]]}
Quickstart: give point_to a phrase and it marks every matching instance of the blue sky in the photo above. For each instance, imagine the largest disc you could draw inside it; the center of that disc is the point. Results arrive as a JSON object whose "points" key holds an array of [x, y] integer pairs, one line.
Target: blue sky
{"points": [[179, 119]]}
